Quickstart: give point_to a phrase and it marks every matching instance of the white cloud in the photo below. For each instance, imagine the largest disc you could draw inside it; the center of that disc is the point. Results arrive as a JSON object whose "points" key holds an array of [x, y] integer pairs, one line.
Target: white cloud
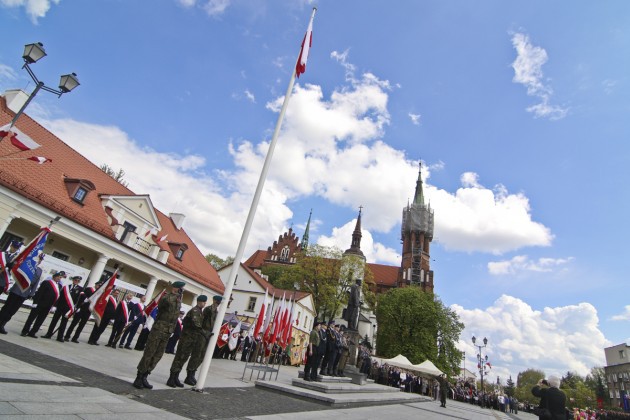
{"points": [[624, 316], [528, 72], [415, 118], [330, 148], [609, 85], [342, 237], [555, 340], [34, 8], [211, 7], [522, 263], [250, 96], [7, 73]]}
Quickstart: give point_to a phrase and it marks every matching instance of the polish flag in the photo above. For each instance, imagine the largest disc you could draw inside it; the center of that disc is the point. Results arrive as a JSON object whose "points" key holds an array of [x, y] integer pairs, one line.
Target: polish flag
{"points": [[154, 303], [307, 42], [39, 159], [236, 332], [160, 239], [153, 232], [98, 301], [224, 335], [18, 139], [261, 317]]}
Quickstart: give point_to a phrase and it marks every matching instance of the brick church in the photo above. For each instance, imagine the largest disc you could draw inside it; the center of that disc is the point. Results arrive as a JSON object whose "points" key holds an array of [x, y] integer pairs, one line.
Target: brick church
{"points": [[416, 237]]}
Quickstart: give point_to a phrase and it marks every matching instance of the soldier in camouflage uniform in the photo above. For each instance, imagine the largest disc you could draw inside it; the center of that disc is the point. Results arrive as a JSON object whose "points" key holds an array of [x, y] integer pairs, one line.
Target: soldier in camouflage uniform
{"points": [[168, 312], [209, 315], [191, 339]]}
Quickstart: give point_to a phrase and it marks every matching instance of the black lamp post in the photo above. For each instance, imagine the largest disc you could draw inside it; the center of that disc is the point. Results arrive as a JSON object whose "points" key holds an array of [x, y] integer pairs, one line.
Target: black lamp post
{"points": [[33, 53], [481, 360]]}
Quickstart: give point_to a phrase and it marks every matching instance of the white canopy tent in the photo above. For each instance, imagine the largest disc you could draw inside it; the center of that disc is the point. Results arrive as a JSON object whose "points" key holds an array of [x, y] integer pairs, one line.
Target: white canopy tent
{"points": [[399, 361], [428, 367]]}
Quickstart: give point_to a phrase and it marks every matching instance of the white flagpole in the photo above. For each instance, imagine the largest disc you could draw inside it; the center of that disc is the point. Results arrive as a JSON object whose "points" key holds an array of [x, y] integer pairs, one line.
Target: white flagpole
{"points": [[205, 366]]}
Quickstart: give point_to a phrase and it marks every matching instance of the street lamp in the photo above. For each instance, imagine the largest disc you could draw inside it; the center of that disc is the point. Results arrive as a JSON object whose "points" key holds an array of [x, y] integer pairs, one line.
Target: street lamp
{"points": [[32, 54], [481, 360]]}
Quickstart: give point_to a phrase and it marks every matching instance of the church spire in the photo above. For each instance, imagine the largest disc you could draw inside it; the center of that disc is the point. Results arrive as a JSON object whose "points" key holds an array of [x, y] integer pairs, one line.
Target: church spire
{"points": [[304, 243], [355, 247], [419, 196]]}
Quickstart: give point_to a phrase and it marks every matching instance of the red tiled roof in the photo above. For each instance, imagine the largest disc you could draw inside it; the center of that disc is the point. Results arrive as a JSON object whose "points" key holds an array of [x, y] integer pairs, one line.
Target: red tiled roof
{"points": [[256, 260], [44, 184], [384, 274]]}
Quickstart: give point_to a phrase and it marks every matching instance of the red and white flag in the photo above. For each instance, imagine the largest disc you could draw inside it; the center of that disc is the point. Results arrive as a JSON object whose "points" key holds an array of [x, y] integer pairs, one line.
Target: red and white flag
{"points": [[69, 302], [39, 159], [18, 138], [154, 303], [261, 317], [98, 301], [307, 42], [224, 335], [160, 239], [233, 341]]}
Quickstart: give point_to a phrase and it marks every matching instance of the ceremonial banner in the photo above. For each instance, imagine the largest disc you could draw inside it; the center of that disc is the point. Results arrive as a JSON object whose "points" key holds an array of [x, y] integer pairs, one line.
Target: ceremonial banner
{"points": [[25, 263], [98, 301]]}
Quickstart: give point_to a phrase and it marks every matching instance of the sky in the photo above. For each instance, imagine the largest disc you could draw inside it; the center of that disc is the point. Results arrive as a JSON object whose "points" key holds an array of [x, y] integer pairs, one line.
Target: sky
{"points": [[517, 111]]}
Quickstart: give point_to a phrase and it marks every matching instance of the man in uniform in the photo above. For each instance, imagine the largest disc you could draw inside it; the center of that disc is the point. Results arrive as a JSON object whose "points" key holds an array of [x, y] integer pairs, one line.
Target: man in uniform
{"points": [[137, 318], [17, 296], [83, 313], [331, 350], [310, 369], [63, 305], [121, 318], [44, 299], [168, 311], [108, 315], [192, 337], [172, 341], [196, 358]]}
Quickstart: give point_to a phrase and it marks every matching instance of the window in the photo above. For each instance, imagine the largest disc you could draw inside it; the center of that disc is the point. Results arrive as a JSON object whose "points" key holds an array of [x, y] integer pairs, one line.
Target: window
{"points": [[251, 305], [59, 255], [80, 194], [180, 253], [284, 254], [7, 238], [622, 354], [128, 228]]}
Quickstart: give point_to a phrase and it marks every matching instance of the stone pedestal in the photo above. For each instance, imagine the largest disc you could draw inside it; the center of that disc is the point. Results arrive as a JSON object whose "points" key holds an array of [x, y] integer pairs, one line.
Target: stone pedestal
{"points": [[353, 343]]}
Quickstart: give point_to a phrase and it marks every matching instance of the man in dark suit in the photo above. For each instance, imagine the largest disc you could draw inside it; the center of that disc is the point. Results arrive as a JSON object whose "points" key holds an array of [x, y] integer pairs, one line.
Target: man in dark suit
{"points": [[137, 318], [173, 339], [551, 397], [247, 344], [64, 304], [17, 296], [44, 299], [121, 318], [83, 313], [108, 315]]}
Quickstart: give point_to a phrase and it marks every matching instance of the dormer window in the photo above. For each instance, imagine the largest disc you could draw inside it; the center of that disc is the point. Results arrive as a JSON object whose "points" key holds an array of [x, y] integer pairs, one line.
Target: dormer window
{"points": [[178, 249], [78, 189], [180, 253]]}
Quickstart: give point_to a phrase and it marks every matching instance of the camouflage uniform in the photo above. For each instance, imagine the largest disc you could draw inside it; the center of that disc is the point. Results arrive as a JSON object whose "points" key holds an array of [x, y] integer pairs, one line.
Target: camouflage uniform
{"points": [[168, 312], [192, 338], [209, 315]]}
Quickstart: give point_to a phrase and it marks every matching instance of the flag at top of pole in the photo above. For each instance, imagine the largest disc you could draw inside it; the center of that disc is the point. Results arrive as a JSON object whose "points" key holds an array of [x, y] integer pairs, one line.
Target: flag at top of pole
{"points": [[307, 42], [229, 284]]}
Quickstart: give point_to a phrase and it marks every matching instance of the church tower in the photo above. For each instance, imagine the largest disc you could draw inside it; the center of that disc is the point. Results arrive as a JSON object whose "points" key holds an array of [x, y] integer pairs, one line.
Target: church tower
{"points": [[416, 236], [355, 246], [304, 244]]}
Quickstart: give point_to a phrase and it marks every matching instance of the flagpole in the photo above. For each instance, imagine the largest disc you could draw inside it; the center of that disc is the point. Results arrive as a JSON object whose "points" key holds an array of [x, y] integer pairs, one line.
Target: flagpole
{"points": [[241, 245]]}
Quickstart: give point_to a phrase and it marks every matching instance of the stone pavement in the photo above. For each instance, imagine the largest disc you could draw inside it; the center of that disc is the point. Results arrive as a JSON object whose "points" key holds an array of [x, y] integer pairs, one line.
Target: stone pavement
{"points": [[44, 378]]}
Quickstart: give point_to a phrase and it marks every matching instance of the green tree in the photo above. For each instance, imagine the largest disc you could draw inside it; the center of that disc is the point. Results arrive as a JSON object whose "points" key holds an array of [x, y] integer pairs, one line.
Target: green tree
{"points": [[596, 382], [218, 262], [571, 380], [416, 324], [118, 176], [509, 387], [525, 381]]}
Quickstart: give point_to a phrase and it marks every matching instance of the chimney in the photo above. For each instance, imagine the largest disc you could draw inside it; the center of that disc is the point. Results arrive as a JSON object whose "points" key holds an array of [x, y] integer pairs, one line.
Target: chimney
{"points": [[178, 219], [15, 98]]}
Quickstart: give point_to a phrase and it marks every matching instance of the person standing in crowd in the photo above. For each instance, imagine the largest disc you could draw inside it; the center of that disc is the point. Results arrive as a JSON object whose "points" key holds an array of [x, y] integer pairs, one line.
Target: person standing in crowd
{"points": [[551, 397], [310, 369], [444, 387], [196, 357], [192, 338], [64, 304], [345, 354], [329, 354], [82, 315], [247, 345], [10, 254], [168, 312], [121, 319], [173, 339], [17, 296], [44, 299], [137, 317], [337, 351], [108, 315], [14, 250]]}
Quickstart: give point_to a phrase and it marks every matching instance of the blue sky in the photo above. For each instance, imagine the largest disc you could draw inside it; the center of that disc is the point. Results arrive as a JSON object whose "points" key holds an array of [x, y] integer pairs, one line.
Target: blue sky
{"points": [[518, 111]]}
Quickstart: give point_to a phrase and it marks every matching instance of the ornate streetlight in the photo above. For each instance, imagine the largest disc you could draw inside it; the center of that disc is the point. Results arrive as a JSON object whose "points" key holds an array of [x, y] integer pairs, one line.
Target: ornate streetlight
{"points": [[32, 54], [481, 360]]}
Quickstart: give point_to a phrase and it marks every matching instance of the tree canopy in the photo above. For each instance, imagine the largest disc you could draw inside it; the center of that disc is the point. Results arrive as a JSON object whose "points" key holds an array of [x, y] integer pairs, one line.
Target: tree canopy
{"points": [[418, 325], [218, 262], [118, 176]]}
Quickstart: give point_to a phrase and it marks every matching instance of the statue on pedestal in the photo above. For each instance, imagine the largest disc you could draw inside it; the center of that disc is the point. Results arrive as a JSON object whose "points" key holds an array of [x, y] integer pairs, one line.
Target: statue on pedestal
{"points": [[354, 304]]}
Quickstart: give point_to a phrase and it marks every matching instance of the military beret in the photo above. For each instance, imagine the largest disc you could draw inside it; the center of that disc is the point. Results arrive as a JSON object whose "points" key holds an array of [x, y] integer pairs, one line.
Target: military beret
{"points": [[202, 298], [179, 284], [218, 298]]}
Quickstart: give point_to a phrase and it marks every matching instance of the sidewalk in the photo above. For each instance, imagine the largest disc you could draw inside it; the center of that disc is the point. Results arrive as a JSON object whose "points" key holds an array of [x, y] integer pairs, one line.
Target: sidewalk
{"points": [[44, 378]]}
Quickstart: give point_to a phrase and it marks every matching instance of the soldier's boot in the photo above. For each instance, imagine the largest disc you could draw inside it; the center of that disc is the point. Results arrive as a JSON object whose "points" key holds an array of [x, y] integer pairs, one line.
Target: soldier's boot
{"points": [[2, 330], [190, 378], [145, 381], [178, 384], [138, 382], [171, 380], [329, 372]]}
